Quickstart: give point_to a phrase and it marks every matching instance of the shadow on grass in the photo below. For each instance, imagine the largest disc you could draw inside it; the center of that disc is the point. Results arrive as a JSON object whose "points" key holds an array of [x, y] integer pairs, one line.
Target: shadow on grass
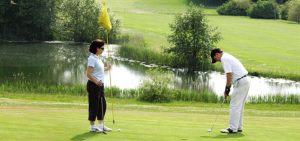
{"points": [[84, 136], [239, 135]]}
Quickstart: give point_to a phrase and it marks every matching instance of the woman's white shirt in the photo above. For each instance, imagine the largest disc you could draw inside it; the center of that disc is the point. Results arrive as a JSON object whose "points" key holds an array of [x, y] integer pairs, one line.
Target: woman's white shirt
{"points": [[95, 62]]}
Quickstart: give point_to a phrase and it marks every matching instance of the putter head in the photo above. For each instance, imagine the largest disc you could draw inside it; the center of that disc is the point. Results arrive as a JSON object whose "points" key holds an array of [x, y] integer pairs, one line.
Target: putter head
{"points": [[209, 130]]}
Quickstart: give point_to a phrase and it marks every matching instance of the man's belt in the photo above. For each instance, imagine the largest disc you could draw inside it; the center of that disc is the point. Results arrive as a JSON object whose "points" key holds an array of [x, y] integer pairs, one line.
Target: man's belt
{"points": [[241, 77]]}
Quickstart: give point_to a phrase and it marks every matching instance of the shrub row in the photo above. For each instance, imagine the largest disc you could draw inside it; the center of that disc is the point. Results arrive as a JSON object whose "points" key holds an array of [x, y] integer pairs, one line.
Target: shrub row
{"points": [[234, 7], [262, 9]]}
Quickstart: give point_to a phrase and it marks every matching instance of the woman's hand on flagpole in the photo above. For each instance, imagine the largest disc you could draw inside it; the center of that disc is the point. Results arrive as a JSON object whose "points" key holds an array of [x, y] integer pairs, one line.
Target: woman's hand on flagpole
{"points": [[108, 67]]}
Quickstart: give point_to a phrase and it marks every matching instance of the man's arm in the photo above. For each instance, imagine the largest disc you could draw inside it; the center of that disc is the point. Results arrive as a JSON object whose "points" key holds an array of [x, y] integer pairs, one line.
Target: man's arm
{"points": [[228, 79], [228, 84]]}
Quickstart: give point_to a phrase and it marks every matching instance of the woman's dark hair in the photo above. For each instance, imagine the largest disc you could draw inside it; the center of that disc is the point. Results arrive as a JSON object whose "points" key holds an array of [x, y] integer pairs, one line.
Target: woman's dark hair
{"points": [[96, 44]]}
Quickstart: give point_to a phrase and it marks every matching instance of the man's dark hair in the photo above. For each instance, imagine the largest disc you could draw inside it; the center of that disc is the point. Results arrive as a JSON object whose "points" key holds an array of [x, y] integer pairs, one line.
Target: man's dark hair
{"points": [[213, 53]]}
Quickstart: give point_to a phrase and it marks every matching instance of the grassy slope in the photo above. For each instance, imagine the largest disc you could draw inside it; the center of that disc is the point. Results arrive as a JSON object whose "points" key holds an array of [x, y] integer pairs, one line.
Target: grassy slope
{"points": [[38, 119], [265, 46]]}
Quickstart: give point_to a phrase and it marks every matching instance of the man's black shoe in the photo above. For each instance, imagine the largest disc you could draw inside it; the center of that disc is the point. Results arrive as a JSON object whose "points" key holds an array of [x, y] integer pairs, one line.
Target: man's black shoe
{"points": [[228, 130]]}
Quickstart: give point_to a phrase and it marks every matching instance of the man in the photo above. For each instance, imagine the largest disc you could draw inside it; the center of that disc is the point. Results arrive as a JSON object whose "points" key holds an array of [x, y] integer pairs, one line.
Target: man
{"points": [[236, 74]]}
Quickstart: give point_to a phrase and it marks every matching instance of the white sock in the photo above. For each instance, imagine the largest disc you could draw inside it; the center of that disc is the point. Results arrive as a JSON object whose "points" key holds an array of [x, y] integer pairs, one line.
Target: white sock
{"points": [[100, 123]]}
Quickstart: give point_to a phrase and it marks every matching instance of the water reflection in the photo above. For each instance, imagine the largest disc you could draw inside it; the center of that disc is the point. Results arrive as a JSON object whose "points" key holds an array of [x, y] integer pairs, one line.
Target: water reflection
{"points": [[198, 81], [62, 63], [124, 76], [258, 86], [50, 63]]}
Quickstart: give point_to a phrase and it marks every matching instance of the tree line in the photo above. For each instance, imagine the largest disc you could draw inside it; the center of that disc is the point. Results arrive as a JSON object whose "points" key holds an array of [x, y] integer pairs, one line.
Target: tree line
{"points": [[220, 2], [40, 20], [263, 9]]}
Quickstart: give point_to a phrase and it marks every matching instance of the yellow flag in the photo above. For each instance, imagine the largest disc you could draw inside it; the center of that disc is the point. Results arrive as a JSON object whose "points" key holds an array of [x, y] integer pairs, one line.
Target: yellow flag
{"points": [[104, 19]]}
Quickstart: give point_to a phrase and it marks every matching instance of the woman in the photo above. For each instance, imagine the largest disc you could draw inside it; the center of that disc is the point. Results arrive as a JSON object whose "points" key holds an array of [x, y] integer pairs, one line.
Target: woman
{"points": [[95, 86]]}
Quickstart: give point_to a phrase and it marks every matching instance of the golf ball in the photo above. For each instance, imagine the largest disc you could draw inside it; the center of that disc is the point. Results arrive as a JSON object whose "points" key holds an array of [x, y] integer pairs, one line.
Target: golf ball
{"points": [[209, 130]]}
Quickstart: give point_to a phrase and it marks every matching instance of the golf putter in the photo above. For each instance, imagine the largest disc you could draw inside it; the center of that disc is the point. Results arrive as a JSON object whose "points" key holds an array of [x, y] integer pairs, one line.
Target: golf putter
{"points": [[213, 124]]}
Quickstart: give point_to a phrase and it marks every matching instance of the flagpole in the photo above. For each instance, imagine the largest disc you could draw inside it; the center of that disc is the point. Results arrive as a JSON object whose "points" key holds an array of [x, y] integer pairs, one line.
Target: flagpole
{"points": [[109, 60], [104, 21]]}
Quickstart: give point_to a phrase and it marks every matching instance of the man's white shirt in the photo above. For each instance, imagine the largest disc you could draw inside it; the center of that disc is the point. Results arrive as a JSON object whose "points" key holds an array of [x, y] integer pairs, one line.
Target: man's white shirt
{"points": [[233, 65]]}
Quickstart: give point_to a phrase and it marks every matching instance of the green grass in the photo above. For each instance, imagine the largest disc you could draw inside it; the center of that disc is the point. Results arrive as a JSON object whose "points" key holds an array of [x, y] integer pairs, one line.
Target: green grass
{"points": [[152, 91], [41, 117], [155, 90], [265, 47], [150, 18], [76, 100]]}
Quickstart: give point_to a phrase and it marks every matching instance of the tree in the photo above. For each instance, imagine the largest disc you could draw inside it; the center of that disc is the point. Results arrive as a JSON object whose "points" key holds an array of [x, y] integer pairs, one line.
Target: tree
{"points": [[192, 39], [78, 21], [264, 9], [294, 11], [27, 19], [208, 2]]}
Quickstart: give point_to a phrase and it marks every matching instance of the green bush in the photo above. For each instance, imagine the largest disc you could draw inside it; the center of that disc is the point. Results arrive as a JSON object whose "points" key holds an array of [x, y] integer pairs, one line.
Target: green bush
{"points": [[234, 7], [154, 93], [294, 11], [279, 99], [264, 10], [115, 92], [156, 88], [187, 95]]}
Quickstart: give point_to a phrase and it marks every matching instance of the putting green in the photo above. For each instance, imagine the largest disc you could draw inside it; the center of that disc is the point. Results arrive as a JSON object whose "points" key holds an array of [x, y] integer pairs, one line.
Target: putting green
{"points": [[35, 121]]}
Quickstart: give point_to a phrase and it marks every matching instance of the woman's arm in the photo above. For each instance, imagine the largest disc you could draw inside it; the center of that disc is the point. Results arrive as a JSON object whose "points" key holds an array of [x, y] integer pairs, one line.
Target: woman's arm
{"points": [[107, 67]]}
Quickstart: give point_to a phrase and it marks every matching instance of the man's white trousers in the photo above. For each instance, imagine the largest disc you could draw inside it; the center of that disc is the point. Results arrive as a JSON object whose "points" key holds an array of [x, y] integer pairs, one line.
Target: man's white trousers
{"points": [[237, 103]]}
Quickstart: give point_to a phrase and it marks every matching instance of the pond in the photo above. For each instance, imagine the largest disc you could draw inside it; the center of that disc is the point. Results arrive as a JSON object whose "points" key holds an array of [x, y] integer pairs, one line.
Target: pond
{"points": [[64, 63]]}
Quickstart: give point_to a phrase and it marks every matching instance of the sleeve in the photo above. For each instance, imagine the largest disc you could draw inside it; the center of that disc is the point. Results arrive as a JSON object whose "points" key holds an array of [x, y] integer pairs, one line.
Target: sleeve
{"points": [[91, 62], [104, 61], [226, 66]]}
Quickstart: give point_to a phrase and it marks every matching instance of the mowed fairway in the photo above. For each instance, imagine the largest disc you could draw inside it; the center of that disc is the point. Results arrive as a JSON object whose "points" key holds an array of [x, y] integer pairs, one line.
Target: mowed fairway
{"points": [[54, 121], [269, 47]]}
